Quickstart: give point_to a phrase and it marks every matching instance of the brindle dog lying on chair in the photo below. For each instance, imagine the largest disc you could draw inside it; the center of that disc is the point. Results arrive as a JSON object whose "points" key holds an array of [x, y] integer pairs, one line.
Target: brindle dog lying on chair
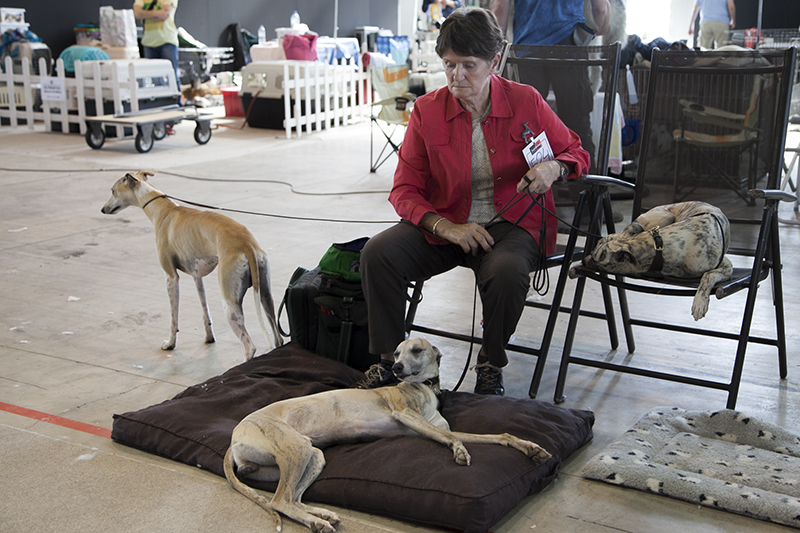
{"points": [[683, 240]]}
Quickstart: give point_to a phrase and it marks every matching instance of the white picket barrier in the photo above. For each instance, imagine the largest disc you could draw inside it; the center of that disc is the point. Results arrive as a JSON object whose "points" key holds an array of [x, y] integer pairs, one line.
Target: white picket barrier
{"points": [[19, 91], [334, 95], [341, 94]]}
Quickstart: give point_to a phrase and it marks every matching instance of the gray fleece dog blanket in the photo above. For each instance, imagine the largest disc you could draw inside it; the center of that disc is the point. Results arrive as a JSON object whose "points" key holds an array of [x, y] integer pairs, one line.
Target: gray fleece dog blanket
{"points": [[720, 459]]}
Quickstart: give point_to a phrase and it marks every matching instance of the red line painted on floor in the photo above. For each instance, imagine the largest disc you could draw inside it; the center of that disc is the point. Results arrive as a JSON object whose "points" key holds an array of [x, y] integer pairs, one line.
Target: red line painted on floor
{"points": [[57, 420]]}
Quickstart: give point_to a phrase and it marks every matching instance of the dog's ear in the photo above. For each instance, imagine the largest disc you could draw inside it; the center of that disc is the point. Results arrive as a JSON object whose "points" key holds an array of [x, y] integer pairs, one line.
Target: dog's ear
{"points": [[144, 174], [438, 354], [624, 256], [130, 180]]}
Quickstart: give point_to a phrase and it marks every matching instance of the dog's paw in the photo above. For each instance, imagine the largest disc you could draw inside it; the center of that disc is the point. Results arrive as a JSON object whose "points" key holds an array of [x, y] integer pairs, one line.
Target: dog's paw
{"points": [[322, 526], [536, 452], [531, 449], [319, 512], [699, 307], [168, 345], [461, 455]]}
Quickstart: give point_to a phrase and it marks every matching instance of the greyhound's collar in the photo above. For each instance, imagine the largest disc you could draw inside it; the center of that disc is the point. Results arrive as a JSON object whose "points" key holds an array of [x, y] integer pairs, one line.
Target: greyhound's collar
{"points": [[433, 383], [153, 199], [658, 244]]}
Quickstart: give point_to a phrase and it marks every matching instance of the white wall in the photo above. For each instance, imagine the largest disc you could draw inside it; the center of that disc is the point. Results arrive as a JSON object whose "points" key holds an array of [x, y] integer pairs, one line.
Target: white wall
{"points": [[406, 17], [679, 20], [650, 19]]}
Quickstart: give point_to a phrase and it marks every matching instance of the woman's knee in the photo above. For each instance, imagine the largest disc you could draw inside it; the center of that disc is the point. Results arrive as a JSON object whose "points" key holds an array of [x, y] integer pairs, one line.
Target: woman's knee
{"points": [[508, 268], [376, 252], [393, 247]]}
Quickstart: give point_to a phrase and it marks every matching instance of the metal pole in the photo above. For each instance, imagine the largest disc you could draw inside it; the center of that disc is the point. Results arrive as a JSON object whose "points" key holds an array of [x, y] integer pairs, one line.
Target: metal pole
{"points": [[758, 27], [336, 20]]}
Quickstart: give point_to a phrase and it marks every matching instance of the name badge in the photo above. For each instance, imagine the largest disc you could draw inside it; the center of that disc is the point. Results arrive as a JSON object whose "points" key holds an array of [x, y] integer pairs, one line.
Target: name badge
{"points": [[538, 150]]}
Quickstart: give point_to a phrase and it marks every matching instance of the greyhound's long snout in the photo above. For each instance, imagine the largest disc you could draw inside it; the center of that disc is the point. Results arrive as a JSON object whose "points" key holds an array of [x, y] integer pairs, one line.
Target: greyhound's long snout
{"points": [[397, 369]]}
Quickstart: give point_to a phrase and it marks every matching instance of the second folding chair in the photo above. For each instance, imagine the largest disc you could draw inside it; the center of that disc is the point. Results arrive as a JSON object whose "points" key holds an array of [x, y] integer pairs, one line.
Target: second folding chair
{"points": [[705, 78]]}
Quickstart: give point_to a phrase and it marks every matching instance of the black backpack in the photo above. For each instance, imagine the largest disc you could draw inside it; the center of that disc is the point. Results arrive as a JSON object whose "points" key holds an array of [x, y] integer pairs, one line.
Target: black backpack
{"points": [[328, 315]]}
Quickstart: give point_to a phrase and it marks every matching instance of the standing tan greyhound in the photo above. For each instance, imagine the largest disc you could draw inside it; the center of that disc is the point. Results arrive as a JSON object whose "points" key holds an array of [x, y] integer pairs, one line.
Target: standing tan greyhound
{"points": [[196, 242], [283, 441]]}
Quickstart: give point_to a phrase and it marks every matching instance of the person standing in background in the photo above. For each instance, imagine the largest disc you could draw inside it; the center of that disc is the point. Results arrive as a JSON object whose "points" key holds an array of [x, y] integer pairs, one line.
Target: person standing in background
{"points": [[160, 38], [717, 19], [447, 6], [548, 23]]}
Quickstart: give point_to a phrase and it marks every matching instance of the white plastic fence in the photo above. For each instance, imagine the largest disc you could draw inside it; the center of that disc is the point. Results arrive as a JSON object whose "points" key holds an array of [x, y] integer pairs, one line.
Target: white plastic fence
{"points": [[346, 89], [18, 99]]}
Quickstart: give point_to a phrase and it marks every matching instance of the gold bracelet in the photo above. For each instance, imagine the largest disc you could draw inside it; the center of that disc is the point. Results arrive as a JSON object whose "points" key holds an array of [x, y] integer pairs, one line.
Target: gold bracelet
{"points": [[433, 229]]}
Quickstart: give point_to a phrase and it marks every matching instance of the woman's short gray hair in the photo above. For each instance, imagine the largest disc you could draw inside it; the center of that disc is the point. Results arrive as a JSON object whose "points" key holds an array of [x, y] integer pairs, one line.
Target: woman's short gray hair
{"points": [[470, 31]]}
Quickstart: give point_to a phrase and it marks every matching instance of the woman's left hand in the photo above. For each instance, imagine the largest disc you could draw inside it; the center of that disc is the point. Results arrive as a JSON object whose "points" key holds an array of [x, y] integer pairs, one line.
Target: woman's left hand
{"points": [[540, 178]]}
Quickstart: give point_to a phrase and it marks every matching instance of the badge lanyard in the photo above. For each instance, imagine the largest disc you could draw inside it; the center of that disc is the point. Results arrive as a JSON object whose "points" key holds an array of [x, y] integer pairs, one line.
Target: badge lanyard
{"points": [[537, 150]]}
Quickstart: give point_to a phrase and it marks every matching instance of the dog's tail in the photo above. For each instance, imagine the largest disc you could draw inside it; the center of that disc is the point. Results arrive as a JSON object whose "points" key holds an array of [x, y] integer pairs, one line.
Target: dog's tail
{"points": [[260, 281], [236, 483]]}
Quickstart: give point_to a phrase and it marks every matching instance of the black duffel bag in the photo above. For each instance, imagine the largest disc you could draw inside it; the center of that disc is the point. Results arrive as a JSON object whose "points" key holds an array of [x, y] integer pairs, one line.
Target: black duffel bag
{"points": [[328, 315]]}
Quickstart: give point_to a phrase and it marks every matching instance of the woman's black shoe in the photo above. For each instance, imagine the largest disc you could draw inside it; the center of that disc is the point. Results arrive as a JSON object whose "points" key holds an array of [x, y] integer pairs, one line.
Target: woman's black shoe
{"points": [[378, 375], [490, 379]]}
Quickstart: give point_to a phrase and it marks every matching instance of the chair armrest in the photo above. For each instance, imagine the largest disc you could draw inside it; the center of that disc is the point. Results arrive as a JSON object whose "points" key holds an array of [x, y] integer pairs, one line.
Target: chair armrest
{"points": [[409, 97], [596, 179], [772, 194]]}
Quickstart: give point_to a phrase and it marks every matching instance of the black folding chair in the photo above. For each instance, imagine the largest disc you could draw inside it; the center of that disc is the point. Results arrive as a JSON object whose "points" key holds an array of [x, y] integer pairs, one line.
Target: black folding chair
{"points": [[697, 76]]}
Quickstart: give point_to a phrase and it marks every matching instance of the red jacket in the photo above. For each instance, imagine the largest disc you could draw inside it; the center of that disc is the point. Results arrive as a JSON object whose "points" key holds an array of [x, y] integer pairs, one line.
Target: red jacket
{"points": [[434, 173]]}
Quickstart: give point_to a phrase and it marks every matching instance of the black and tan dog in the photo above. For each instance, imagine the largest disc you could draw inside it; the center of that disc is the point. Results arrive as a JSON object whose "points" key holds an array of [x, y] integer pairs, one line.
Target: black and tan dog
{"points": [[283, 441], [196, 242], [684, 240]]}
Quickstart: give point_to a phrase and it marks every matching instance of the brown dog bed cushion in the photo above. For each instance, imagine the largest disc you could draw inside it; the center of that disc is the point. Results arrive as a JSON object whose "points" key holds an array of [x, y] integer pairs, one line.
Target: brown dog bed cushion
{"points": [[411, 479]]}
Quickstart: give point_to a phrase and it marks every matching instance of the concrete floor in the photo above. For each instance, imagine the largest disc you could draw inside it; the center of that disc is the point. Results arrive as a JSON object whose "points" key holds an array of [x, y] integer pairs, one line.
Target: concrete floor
{"points": [[83, 312]]}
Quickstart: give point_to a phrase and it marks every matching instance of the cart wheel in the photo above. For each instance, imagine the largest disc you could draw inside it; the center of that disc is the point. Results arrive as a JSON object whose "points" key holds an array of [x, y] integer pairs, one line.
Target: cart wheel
{"points": [[143, 142], [159, 130], [202, 137], [95, 141]]}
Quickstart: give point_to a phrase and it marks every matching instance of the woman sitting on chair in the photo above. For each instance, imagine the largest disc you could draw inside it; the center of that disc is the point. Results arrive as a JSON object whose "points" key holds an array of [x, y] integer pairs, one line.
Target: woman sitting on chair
{"points": [[460, 164]]}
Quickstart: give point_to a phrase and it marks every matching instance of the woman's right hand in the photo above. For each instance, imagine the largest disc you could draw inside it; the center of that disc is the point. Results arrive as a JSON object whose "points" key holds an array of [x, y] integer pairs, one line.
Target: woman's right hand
{"points": [[471, 237]]}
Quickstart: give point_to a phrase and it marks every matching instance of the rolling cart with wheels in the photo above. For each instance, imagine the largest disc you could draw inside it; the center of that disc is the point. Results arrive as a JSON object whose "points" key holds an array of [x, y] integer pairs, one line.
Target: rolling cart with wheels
{"points": [[150, 124]]}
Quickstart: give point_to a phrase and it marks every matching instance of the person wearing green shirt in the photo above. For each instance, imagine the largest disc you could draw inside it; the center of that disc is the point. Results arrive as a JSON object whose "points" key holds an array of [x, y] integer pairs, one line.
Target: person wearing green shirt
{"points": [[160, 37]]}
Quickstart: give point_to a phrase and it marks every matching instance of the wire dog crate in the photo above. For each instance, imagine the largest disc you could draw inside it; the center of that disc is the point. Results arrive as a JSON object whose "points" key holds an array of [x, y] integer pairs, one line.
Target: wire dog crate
{"points": [[773, 40], [770, 39]]}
